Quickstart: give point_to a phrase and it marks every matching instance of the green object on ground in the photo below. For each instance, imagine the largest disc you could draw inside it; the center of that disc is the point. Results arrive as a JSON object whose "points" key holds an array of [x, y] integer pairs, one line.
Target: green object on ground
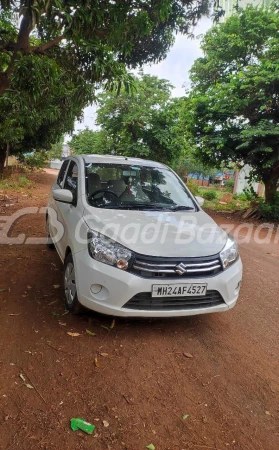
{"points": [[81, 424]]}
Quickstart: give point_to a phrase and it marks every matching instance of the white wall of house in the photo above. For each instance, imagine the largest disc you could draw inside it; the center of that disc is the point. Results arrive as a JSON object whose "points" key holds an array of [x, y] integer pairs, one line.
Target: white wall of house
{"points": [[241, 182]]}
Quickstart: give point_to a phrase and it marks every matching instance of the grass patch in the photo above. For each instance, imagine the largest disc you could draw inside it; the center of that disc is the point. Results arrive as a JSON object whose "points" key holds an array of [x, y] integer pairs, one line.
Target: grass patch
{"points": [[213, 195], [234, 205], [15, 183]]}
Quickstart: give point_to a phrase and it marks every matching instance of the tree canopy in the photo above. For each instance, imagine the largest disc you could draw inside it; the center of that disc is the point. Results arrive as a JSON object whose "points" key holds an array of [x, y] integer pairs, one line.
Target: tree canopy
{"points": [[98, 38], [232, 111], [42, 102], [54, 54], [88, 142], [141, 123]]}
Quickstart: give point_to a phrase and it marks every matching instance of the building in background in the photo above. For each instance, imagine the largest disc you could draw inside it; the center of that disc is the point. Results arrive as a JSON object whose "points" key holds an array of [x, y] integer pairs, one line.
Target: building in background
{"points": [[229, 5], [65, 151], [242, 182]]}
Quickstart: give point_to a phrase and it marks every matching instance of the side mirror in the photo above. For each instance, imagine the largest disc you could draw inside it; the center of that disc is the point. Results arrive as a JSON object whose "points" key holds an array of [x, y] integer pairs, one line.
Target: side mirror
{"points": [[200, 200], [63, 195]]}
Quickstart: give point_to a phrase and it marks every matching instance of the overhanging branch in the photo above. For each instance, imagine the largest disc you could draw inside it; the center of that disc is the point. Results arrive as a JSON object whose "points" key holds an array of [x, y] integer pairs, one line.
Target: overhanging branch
{"points": [[47, 45]]}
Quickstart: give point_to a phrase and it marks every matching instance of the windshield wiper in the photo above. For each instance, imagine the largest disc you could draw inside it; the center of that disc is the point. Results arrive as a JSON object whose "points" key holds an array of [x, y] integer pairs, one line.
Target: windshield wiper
{"points": [[105, 206], [182, 208], [139, 206], [145, 206]]}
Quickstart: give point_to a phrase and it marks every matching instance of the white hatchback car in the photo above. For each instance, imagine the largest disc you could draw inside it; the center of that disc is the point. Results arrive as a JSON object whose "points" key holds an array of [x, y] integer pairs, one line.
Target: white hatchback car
{"points": [[135, 242]]}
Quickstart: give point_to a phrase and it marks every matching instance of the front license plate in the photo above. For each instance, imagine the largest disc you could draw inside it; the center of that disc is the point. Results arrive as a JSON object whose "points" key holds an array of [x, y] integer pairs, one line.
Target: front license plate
{"points": [[178, 290]]}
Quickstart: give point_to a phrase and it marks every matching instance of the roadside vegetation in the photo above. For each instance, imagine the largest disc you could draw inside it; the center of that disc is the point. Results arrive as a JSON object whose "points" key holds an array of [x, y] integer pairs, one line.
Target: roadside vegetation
{"points": [[231, 112], [219, 198], [61, 53], [14, 184], [222, 199], [57, 62]]}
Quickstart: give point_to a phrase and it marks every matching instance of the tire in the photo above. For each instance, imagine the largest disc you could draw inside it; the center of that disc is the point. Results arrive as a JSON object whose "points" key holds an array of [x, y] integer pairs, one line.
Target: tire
{"points": [[71, 299], [49, 242]]}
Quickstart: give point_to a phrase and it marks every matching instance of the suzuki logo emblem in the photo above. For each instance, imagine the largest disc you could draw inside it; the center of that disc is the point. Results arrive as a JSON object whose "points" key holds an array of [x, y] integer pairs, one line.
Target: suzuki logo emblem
{"points": [[181, 269]]}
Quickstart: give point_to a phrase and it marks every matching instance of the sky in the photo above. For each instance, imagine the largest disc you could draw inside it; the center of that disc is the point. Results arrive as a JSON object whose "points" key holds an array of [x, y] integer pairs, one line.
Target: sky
{"points": [[174, 68]]}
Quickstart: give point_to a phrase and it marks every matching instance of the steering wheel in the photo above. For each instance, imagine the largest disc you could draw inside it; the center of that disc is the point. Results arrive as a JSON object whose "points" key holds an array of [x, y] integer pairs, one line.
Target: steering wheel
{"points": [[106, 191]]}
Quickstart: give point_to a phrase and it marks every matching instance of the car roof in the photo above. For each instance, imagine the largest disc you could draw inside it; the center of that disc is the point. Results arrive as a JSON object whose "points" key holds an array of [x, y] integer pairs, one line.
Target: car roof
{"points": [[110, 159]]}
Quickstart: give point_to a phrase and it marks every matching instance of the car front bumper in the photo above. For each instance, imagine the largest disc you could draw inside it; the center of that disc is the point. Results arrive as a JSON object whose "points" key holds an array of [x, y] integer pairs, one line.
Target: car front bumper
{"points": [[106, 289]]}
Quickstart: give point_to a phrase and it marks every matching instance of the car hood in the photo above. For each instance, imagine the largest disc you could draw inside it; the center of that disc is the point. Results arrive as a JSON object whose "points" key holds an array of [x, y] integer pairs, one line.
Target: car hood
{"points": [[157, 233]]}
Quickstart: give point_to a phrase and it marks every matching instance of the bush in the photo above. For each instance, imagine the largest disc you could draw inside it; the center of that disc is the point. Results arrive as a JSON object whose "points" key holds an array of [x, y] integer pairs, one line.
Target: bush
{"points": [[270, 212], [16, 183], [209, 195], [193, 187], [250, 194], [35, 160], [229, 185], [242, 197]]}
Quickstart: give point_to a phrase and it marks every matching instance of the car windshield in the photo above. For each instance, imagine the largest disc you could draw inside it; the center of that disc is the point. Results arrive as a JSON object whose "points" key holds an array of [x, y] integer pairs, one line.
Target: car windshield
{"points": [[123, 186]]}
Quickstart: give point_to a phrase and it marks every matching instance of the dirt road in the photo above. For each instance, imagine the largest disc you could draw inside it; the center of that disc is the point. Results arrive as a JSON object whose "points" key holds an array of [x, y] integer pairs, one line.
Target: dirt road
{"points": [[133, 381]]}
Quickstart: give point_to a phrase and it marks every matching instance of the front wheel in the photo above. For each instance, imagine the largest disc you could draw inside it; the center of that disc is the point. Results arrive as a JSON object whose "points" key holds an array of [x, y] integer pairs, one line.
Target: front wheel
{"points": [[71, 300]]}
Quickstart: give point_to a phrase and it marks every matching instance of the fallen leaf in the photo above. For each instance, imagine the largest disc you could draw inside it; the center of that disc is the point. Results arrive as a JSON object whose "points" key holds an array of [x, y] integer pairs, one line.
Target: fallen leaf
{"points": [[185, 416], [150, 447], [2, 290], [106, 328], [29, 386], [14, 314], [268, 413], [96, 362], [105, 423], [56, 286], [73, 334], [62, 323], [188, 355], [112, 324], [90, 333], [104, 354], [22, 377]]}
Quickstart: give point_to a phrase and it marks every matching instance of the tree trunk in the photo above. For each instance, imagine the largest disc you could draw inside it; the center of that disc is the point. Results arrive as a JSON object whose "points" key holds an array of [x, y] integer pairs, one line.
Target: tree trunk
{"points": [[271, 185], [4, 83], [2, 159]]}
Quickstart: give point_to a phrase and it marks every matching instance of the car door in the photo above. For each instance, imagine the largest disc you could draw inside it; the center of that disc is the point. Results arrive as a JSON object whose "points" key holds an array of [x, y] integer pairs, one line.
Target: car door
{"points": [[53, 205], [69, 215]]}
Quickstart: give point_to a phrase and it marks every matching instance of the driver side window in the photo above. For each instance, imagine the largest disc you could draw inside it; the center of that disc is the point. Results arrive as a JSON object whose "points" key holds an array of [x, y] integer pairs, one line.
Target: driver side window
{"points": [[62, 172], [71, 181]]}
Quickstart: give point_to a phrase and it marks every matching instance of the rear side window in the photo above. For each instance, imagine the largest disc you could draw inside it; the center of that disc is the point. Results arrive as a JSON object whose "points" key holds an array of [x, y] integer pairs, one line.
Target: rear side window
{"points": [[61, 174]]}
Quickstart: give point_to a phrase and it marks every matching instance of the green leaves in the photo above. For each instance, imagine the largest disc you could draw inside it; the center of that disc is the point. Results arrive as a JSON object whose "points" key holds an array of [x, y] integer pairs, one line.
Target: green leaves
{"points": [[150, 447], [65, 50], [233, 114], [140, 123]]}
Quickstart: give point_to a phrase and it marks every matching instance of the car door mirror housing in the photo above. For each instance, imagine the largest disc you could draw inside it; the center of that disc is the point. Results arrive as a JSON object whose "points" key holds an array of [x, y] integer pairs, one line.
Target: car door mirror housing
{"points": [[200, 200], [63, 195]]}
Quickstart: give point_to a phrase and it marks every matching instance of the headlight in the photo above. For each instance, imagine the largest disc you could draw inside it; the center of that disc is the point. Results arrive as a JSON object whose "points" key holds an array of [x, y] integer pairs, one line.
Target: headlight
{"points": [[107, 251], [229, 254]]}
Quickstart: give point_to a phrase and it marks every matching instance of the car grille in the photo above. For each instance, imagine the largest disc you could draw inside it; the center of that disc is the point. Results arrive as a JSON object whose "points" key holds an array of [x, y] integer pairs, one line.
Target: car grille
{"points": [[144, 301], [151, 266]]}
